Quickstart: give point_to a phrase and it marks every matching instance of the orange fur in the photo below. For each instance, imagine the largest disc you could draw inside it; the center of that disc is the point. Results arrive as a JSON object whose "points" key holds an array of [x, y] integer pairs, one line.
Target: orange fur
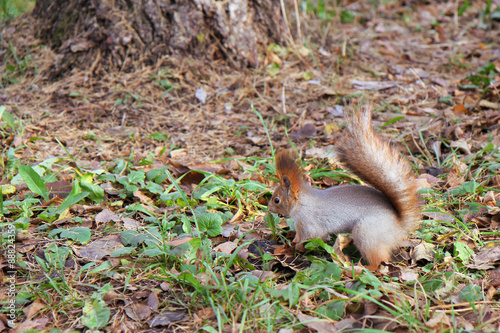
{"points": [[373, 159], [286, 165]]}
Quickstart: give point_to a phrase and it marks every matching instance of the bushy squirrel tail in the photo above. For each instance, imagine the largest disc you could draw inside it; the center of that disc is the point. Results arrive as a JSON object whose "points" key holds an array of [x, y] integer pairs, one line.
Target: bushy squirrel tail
{"points": [[376, 162]]}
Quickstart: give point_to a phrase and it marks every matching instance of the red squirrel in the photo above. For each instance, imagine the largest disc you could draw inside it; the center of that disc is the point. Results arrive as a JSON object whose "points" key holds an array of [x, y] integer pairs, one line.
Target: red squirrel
{"points": [[378, 217]]}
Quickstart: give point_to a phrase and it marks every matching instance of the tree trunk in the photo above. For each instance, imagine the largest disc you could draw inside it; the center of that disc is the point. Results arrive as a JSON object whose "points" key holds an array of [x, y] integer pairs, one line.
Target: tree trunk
{"points": [[102, 34]]}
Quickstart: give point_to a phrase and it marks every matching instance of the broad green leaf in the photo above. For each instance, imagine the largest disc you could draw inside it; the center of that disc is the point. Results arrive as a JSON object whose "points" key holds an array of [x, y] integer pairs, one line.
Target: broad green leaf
{"points": [[313, 243], [153, 252], [471, 293], [463, 252], [154, 188], [123, 251], [333, 310], [323, 270], [210, 223], [95, 192], [134, 238], [290, 294], [135, 177], [138, 208], [71, 200], [102, 267], [57, 255], [7, 117], [95, 314], [33, 181], [79, 234]]}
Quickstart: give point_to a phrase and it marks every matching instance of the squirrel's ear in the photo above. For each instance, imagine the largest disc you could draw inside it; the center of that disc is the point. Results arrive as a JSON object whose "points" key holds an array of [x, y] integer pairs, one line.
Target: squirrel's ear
{"points": [[287, 184]]}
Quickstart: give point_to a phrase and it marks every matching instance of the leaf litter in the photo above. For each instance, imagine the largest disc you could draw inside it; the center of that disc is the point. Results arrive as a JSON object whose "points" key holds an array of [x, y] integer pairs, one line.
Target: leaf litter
{"points": [[143, 172]]}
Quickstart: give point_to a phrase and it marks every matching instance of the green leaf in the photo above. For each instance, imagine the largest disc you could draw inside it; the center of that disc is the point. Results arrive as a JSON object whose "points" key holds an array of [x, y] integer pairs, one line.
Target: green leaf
{"points": [[137, 207], [136, 177], [333, 310], [134, 238], [153, 252], [57, 255], [210, 223], [9, 119], [290, 294], [158, 136], [392, 121], [95, 314], [33, 181], [123, 251], [463, 252], [95, 192], [70, 201], [347, 16], [323, 270], [79, 234], [313, 243], [471, 293], [154, 188], [102, 267]]}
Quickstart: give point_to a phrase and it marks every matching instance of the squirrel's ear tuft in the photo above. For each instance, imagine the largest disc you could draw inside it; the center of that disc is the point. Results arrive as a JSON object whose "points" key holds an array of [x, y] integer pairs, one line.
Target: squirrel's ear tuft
{"points": [[287, 184], [288, 171]]}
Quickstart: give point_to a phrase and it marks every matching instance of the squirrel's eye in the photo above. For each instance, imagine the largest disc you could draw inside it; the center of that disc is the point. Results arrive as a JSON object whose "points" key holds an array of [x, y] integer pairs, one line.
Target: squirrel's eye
{"points": [[277, 200]]}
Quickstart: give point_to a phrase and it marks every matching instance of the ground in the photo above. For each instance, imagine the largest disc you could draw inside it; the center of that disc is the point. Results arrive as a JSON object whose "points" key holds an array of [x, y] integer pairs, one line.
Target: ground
{"points": [[143, 243]]}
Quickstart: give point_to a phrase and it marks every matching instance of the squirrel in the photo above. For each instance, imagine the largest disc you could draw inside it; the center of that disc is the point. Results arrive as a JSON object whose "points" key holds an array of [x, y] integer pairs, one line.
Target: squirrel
{"points": [[378, 217]]}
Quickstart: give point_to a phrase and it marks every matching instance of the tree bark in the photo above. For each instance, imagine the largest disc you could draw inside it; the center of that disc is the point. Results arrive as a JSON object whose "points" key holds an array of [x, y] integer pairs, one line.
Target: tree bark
{"points": [[118, 33]]}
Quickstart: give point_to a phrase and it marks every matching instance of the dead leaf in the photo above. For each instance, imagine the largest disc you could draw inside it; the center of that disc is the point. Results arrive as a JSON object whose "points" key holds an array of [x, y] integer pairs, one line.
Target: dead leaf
{"points": [[460, 108], [305, 132], [35, 325], [345, 325], [373, 85], [34, 308], [437, 216], [178, 153], [179, 241], [494, 278], [100, 248], [316, 324], [226, 247], [486, 258], [60, 189], [263, 275], [407, 274], [138, 311], [423, 253], [111, 295], [489, 105], [461, 145], [106, 216], [439, 321], [203, 315], [229, 230], [153, 301], [165, 286], [167, 317], [143, 198], [341, 243], [129, 223]]}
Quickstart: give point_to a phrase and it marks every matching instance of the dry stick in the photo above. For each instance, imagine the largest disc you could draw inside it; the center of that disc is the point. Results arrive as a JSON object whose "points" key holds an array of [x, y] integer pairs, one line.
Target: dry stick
{"points": [[283, 12], [299, 30], [452, 306]]}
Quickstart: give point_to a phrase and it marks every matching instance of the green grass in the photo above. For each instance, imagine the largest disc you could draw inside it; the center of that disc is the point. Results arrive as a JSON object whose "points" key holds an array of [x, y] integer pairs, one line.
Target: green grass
{"points": [[12, 8], [226, 288]]}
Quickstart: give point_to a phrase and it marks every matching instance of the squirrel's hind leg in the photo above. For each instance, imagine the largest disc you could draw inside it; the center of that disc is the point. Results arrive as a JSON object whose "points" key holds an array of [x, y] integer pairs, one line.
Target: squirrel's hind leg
{"points": [[374, 249]]}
